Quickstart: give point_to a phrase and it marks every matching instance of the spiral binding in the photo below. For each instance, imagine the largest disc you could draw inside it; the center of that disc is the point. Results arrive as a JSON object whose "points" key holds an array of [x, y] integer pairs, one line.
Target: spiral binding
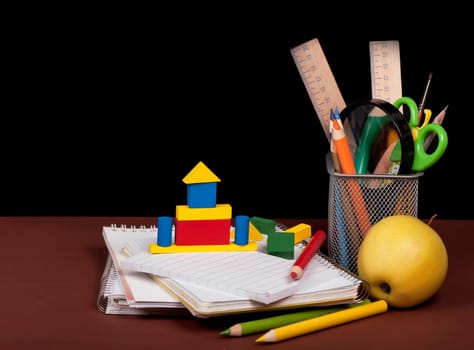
{"points": [[105, 284], [364, 287]]}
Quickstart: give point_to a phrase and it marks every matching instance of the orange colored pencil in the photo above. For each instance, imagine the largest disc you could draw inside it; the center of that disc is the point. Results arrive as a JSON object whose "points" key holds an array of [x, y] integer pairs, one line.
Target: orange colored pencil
{"points": [[342, 149], [347, 165]]}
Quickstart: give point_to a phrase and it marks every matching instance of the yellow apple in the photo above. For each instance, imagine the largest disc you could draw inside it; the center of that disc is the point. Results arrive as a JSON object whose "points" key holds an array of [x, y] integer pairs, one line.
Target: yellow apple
{"points": [[403, 259]]}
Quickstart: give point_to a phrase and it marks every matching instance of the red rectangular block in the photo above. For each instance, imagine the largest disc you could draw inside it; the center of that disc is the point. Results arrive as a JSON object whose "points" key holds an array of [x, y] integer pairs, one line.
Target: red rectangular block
{"points": [[202, 232]]}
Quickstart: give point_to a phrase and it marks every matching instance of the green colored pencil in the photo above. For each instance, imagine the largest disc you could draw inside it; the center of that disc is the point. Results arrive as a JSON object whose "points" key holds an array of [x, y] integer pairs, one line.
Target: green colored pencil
{"points": [[264, 324]]}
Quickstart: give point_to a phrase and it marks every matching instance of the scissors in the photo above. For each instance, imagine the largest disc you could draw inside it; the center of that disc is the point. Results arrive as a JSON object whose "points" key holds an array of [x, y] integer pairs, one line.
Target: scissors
{"points": [[421, 160]]}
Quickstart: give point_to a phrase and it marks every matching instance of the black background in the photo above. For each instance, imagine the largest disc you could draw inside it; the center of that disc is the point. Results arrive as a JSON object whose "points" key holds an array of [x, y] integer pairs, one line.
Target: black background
{"points": [[105, 110]]}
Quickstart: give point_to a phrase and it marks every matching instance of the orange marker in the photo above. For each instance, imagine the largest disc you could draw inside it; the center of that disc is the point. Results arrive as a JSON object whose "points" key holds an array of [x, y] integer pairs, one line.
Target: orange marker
{"points": [[307, 254]]}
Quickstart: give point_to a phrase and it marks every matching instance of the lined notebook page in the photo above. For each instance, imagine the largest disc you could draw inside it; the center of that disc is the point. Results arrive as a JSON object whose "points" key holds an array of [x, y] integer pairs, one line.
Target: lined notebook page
{"points": [[253, 275], [322, 285]]}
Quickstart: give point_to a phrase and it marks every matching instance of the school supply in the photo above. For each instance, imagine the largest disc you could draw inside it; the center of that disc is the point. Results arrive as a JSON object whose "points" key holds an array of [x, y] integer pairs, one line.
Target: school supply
{"points": [[320, 84], [112, 299], [265, 324], [421, 160], [307, 254], [214, 294], [323, 322], [125, 290]]}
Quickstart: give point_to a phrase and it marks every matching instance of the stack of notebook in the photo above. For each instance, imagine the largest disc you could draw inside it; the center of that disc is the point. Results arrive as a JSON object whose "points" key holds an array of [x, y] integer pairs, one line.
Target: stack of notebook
{"points": [[207, 284]]}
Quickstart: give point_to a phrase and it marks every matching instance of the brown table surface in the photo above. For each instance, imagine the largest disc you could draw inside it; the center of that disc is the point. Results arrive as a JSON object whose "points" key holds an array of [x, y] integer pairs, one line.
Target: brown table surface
{"points": [[51, 267]]}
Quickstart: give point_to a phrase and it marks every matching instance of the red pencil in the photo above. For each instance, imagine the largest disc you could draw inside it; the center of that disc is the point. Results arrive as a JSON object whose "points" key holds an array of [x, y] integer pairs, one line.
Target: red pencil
{"points": [[307, 254]]}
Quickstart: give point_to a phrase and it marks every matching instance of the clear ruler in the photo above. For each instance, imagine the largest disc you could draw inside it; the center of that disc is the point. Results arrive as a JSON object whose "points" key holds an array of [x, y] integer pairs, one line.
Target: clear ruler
{"points": [[385, 71], [320, 83]]}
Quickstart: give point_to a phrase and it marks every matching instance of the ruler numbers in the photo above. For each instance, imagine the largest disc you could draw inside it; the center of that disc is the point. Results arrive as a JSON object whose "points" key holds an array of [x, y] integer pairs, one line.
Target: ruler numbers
{"points": [[318, 80], [385, 70]]}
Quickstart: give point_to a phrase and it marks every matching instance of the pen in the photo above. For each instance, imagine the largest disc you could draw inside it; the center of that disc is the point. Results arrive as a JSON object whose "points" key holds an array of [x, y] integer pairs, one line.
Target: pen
{"points": [[329, 320], [265, 324], [307, 254]]}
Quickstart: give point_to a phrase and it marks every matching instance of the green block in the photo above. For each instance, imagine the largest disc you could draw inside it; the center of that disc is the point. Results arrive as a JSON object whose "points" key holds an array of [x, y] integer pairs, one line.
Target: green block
{"points": [[263, 225], [281, 244]]}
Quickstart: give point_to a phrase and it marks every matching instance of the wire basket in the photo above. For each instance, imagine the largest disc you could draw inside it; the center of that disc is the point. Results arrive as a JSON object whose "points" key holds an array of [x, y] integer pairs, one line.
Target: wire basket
{"points": [[356, 202]]}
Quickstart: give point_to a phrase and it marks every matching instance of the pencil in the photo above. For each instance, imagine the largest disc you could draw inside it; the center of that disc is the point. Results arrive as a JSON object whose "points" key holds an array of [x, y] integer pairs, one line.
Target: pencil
{"points": [[437, 120], [318, 323], [332, 146], [307, 254], [265, 324], [342, 148], [347, 165]]}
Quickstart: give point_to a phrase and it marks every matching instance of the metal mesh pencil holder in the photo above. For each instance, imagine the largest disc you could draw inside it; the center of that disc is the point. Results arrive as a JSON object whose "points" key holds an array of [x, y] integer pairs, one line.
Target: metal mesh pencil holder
{"points": [[356, 202]]}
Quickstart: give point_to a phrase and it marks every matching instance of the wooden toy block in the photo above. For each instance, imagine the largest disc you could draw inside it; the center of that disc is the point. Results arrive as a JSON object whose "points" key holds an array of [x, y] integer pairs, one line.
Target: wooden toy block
{"points": [[281, 244], [200, 232], [200, 174], [241, 233], [301, 232], [263, 225], [202, 187], [164, 231], [221, 211], [202, 195], [232, 247], [254, 234]]}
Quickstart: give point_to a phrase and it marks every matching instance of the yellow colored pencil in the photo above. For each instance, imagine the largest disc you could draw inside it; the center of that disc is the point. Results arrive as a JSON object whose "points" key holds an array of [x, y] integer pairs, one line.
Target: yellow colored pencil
{"points": [[315, 324]]}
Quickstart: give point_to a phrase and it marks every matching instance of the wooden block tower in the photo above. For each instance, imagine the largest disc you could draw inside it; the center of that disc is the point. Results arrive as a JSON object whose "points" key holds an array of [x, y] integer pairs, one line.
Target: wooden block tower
{"points": [[202, 224], [202, 220]]}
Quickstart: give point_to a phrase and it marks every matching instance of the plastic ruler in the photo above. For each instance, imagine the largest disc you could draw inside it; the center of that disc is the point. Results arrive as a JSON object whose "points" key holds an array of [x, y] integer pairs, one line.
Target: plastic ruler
{"points": [[320, 83], [385, 71]]}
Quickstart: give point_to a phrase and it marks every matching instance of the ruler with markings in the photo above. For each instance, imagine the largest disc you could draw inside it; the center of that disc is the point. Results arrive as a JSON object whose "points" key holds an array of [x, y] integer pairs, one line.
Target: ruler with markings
{"points": [[320, 83], [385, 71]]}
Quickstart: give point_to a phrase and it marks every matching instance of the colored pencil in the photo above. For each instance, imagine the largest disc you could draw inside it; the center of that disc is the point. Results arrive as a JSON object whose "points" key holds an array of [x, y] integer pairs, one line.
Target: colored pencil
{"points": [[318, 323], [437, 120], [307, 254], [342, 148], [265, 324], [347, 165]]}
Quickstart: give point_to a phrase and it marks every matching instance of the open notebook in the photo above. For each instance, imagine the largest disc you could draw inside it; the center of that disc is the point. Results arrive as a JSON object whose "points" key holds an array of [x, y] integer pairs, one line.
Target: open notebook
{"points": [[324, 282]]}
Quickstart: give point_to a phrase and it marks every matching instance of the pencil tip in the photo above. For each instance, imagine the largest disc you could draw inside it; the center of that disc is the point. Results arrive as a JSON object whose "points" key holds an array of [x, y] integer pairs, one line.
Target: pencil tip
{"points": [[225, 332]]}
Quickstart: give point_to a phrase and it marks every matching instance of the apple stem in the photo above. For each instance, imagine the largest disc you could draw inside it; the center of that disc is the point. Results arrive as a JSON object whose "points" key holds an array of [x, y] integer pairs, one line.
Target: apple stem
{"points": [[432, 218], [385, 287]]}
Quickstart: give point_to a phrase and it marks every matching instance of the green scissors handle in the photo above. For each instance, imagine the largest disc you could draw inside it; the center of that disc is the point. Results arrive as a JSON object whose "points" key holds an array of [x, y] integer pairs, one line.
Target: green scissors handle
{"points": [[412, 107], [421, 160]]}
